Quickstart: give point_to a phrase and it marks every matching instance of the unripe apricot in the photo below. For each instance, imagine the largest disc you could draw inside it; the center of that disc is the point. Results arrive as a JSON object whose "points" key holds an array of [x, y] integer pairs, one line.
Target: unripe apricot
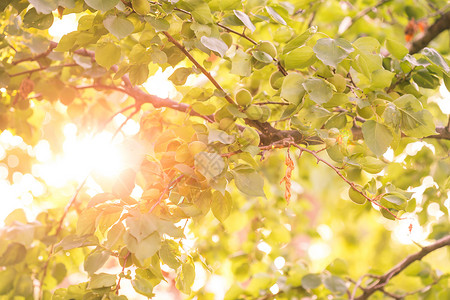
{"points": [[243, 97], [268, 47]]}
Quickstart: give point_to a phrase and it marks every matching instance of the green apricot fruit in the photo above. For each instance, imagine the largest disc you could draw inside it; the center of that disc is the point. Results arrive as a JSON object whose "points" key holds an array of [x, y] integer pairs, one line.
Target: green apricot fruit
{"points": [[268, 47], [249, 137], [356, 196], [243, 97], [266, 113], [254, 112], [276, 80], [365, 112]]}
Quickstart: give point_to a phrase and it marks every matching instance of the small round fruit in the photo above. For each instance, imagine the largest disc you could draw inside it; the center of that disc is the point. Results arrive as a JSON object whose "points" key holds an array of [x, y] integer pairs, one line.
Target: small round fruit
{"points": [[365, 112], [268, 47], [249, 137], [276, 80], [254, 112], [356, 196], [243, 97], [266, 113]]}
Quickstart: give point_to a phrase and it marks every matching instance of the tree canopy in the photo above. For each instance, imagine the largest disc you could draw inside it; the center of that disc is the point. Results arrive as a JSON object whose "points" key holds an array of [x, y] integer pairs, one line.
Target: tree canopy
{"points": [[300, 151]]}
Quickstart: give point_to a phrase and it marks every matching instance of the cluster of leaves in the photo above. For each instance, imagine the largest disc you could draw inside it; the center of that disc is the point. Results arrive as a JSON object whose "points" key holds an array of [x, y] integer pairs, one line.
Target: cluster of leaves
{"points": [[352, 98]]}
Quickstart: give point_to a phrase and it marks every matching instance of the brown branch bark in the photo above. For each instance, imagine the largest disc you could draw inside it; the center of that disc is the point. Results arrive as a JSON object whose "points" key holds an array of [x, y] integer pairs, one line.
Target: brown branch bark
{"points": [[441, 24], [381, 282]]}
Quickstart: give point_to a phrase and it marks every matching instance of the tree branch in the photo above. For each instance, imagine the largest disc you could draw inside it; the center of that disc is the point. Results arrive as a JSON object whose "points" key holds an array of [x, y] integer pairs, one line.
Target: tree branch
{"points": [[199, 66], [380, 283], [361, 14], [441, 24]]}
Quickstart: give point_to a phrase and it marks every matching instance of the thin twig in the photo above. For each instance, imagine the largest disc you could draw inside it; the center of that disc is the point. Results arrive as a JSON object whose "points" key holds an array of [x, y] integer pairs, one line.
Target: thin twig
{"points": [[381, 282], [361, 14], [199, 66], [58, 230], [123, 271], [123, 123], [41, 69], [168, 187]]}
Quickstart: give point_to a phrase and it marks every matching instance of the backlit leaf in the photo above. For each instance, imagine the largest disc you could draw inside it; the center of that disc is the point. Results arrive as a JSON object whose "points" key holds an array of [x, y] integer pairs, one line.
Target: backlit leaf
{"points": [[332, 52], [245, 19], [213, 44], [377, 136], [118, 26], [107, 54]]}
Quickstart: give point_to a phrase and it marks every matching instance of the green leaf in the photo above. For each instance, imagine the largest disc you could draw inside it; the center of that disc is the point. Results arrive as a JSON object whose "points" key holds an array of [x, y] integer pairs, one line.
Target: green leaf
{"points": [[319, 90], [144, 248], [221, 206], [143, 286], [15, 253], [118, 26], [245, 20], [425, 79], [209, 164], [7, 283], [199, 10], [17, 215], [158, 24], [381, 79], [213, 44], [377, 136], [436, 58], [107, 54], [73, 241], [394, 200], [335, 284], [139, 74], [241, 64], [59, 272], [24, 286], [447, 82], [44, 6], [262, 57], [249, 182], [180, 75], [367, 44], [86, 221], [204, 108], [300, 40], [311, 281], [415, 121], [221, 136], [141, 7], [332, 52], [35, 20], [102, 280], [169, 254], [371, 164], [103, 5], [292, 89], [95, 260], [398, 50], [141, 225], [185, 277], [300, 58], [275, 15]]}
